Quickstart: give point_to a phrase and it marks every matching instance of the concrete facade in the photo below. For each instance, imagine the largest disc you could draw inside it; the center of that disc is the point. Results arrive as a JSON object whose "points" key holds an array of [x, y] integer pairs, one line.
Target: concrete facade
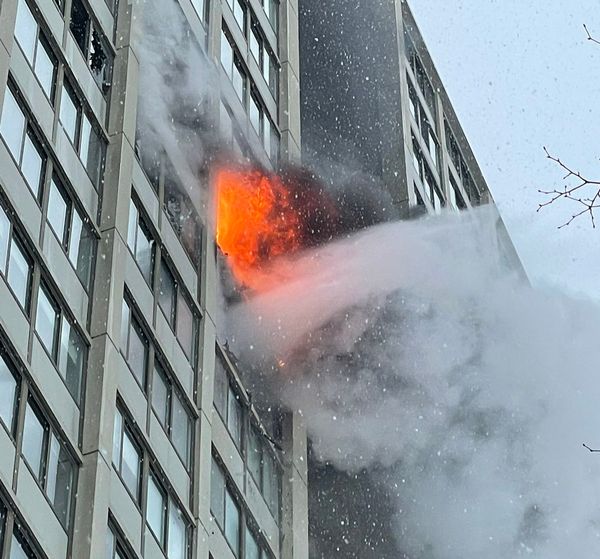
{"points": [[125, 428]]}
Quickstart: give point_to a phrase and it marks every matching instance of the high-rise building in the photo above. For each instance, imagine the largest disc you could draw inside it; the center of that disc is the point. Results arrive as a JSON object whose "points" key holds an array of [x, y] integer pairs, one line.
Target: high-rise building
{"points": [[125, 428], [373, 106]]}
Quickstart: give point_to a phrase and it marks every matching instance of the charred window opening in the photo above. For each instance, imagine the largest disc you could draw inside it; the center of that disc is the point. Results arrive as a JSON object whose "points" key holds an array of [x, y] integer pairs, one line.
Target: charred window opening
{"points": [[93, 45]]}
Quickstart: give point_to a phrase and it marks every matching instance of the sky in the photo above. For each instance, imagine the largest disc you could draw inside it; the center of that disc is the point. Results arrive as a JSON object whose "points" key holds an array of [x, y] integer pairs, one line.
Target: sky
{"points": [[521, 75]]}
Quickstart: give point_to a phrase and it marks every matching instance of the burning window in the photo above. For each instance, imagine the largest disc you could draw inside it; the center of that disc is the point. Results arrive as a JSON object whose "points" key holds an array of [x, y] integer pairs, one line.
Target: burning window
{"points": [[93, 45]]}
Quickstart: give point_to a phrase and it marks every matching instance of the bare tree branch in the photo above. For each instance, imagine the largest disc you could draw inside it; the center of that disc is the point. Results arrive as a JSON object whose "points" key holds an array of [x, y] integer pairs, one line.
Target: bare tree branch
{"points": [[589, 35], [591, 449], [580, 190]]}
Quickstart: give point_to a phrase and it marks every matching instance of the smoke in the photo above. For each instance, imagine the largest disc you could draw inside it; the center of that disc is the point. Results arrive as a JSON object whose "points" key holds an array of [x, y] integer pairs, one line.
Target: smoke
{"points": [[416, 355]]}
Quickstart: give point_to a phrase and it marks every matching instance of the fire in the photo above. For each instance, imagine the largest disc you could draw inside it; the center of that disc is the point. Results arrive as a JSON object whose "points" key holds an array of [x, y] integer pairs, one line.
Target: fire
{"points": [[256, 222]]}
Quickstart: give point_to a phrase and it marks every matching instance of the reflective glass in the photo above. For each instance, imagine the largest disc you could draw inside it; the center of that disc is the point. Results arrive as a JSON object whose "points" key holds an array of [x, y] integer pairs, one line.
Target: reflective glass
{"points": [[255, 114], [177, 534], [18, 549], [86, 131], [12, 124], [166, 292], [19, 272], [46, 321], [71, 358], [68, 114], [138, 350], [44, 69], [155, 509], [32, 165], [130, 469], [117, 440], [160, 397], [60, 480], [251, 551], [33, 441], [143, 254], [232, 522], [26, 30], [234, 418], [132, 226], [185, 326], [4, 238], [217, 493], [57, 211], [180, 429], [226, 54], [82, 246], [8, 393]]}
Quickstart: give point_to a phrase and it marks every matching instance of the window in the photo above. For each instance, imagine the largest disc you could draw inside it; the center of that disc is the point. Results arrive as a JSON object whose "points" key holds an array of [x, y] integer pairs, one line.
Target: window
{"points": [[172, 413], [266, 60], [224, 508], [238, 7], [166, 520], [429, 183], [36, 48], [264, 468], [461, 167], [419, 72], [93, 45], [84, 133], [183, 217], [178, 311], [8, 394], [232, 64], [227, 403], [127, 457], [114, 548], [456, 196], [256, 115], [140, 242], [271, 8], [73, 231], [200, 7], [253, 549], [19, 547], [15, 263], [423, 124], [22, 143], [134, 344], [49, 461], [62, 341]]}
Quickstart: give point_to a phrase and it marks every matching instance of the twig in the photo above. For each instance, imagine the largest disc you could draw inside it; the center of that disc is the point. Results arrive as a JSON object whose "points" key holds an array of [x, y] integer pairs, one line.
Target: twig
{"points": [[591, 449], [573, 193], [589, 35]]}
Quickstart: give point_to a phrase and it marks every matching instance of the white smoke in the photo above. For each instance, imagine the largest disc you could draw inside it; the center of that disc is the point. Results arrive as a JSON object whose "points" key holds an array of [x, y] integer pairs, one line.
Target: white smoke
{"points": [[412, 346]]}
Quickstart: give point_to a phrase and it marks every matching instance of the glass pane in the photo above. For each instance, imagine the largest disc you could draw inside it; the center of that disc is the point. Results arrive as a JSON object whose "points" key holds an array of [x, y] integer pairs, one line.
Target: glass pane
{"points": [[234, 418], [143, 253], [138, 350], [132, 226], [160, 397], [239, 82], [57, 211], [26, 30], [4, 238], [46, 321], [32, 166], [110, 544], [255, 454], [71, 358], [84, 147], [185, 326], [117, 440], [255, 44], [95, 156], [131, 465], [33, 441], [8, 393], [181, 429], [100, 61], [19, 549], [19, 272], [240, 14], [155, 509], [221, 389], [82, 245], [255, 115], [226, 54], [177, 534], [232, 522], [12, 124], [68, 113], [44, 69], [124, 326], [217, 493], [251, 551], [267, 127], [166, 292], [60, 480]]}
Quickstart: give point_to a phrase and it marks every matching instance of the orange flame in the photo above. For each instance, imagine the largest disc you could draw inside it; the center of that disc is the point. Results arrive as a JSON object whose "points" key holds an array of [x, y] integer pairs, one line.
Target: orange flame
{"points": [[256, 221]]}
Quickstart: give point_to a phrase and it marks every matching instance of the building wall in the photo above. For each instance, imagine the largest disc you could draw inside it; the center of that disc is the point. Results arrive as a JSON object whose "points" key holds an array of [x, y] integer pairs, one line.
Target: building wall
{"points": [[125, 427]]}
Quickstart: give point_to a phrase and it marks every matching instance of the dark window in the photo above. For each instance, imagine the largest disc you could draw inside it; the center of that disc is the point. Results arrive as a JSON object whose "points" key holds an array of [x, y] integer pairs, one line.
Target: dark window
{"points": [[49, 461], [93, 45], [134, 344], [227, 402]]}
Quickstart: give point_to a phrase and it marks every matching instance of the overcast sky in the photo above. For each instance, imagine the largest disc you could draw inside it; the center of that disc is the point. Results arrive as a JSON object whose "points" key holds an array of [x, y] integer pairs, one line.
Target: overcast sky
{"points": [[521, 75]]}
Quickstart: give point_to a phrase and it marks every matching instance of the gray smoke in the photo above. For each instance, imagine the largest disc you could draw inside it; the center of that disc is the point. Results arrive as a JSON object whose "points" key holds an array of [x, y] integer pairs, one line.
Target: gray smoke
{"points": [[417, 355]]}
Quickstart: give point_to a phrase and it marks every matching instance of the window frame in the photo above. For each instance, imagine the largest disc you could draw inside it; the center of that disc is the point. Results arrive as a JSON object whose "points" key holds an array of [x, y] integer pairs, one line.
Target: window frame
{"points": [[15, 238], [133, 231], [134, 322], [10, 367], [127, 430]]}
